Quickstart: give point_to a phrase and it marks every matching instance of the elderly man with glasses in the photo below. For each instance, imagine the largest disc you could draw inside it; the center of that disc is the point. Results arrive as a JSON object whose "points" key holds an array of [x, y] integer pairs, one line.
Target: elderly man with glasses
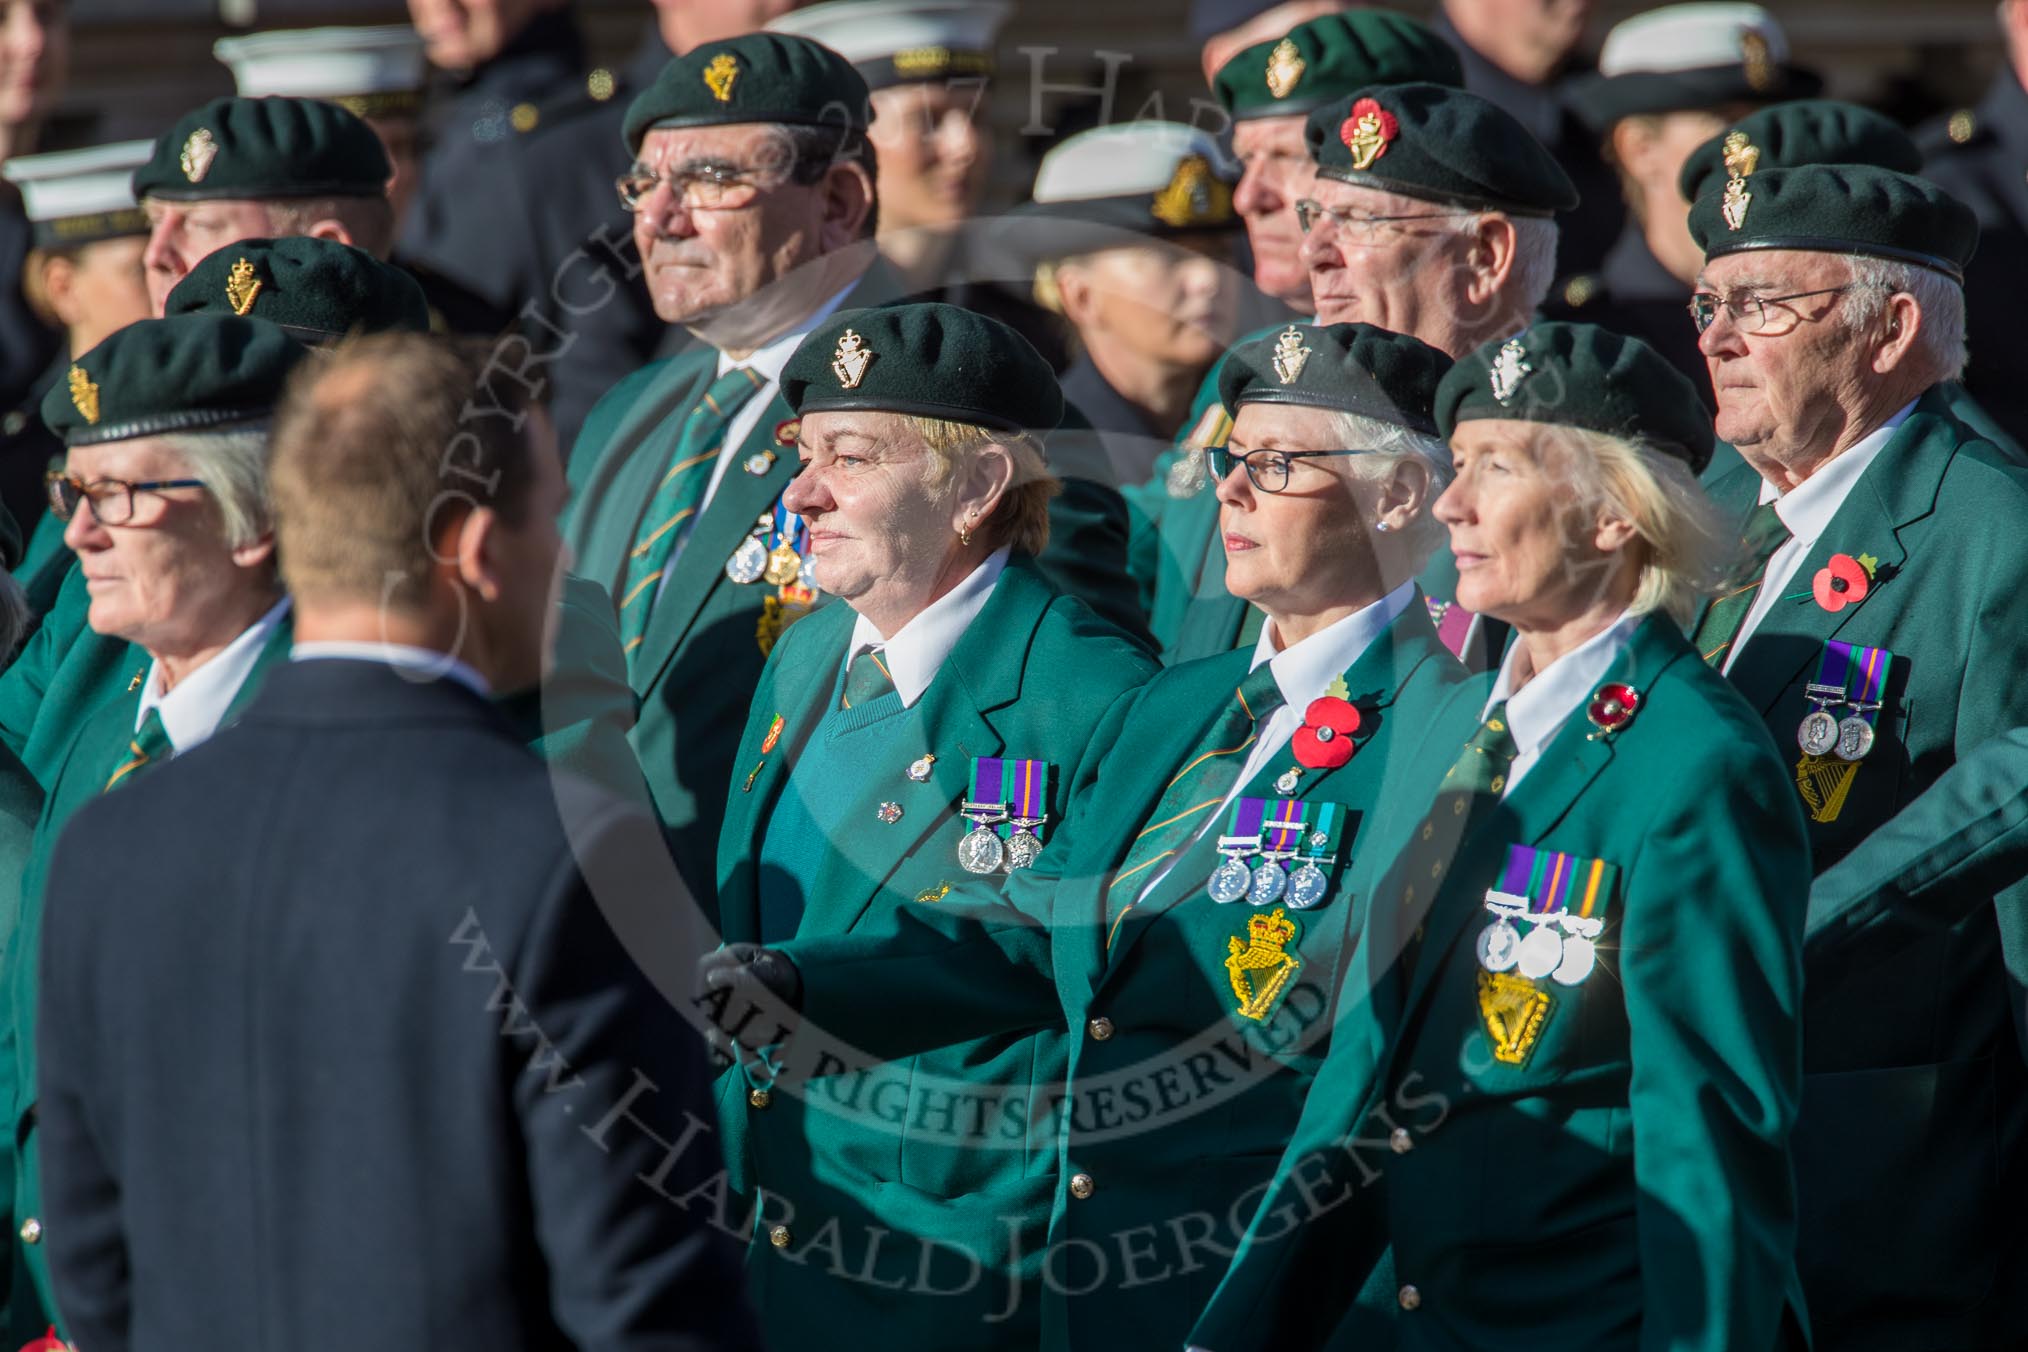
{"points": [[1875, 625]]}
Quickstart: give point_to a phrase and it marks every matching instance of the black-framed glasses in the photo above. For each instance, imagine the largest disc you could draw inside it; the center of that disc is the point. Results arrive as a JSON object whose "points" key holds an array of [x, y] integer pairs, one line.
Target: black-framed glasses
{"points": [[1756, 316], [1266, 470], [711, 188], [112, 500], [1358, 224]]}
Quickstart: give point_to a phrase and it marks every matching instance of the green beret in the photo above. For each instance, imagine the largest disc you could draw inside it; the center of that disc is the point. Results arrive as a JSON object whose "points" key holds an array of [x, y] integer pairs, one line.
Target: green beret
{"points": [[1808, 131], [1580, 375], [1437, 144], [931, 360], [1330, 57], [317, 289], [1355, 368], [264, 149], [1837, 208], [756, 77], [187, 374]]}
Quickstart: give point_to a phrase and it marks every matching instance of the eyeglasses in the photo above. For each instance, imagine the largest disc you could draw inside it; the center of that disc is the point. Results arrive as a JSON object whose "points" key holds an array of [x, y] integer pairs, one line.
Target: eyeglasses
{"points": [[1757, 316], [1358, 224], [112, 500], [713, 188], [1266, 470]]}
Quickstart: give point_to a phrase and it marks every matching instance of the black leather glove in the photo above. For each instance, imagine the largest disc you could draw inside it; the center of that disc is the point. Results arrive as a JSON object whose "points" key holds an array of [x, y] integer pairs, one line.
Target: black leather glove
{"points": [[754, 976]]}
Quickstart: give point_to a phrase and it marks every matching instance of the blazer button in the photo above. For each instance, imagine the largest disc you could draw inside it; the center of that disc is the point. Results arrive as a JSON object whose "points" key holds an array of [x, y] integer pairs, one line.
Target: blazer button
{"points": [[31, 1231], [1101, 1029], [1400, 1141], [1081, 1186], [1410, 1298], [780, 1237], [759, 1098]]}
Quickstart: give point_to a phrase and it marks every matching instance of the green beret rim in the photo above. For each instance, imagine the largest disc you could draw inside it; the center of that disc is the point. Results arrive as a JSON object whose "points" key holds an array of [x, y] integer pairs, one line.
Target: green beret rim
{"points": [[1359, 179], [1342, 401], [918, 408], [778, 117], [295, 191], [1474, 410], [1822, 244], [184, 420]]}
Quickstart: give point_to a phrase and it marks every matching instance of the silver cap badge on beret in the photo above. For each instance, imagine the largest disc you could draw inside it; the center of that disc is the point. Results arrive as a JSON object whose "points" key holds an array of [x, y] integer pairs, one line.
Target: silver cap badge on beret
{"points": [[1290, 355], [849, 362], [1508, 369], [199, 150]]}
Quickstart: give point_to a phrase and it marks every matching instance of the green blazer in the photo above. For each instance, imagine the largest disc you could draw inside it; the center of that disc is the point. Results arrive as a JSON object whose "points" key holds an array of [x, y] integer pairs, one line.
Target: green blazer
{"points": [[1178, 1102], [869, 1152], [97, 749], [1626, 1183], [1914, 1127]]}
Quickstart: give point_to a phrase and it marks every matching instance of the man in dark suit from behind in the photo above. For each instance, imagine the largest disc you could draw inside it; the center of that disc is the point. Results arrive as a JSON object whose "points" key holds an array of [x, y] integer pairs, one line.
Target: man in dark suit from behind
{"points": [[353, 1036]]}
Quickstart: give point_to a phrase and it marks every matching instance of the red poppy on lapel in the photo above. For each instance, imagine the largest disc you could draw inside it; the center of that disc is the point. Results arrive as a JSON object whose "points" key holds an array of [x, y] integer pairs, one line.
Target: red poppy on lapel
{"points": [[1841, 582], [1324, 742], [1612, 707]]}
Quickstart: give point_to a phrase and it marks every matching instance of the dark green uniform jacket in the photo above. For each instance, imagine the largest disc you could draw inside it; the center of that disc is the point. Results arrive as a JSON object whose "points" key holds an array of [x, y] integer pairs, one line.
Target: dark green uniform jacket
{"points": [[934, 1152], [1624, 1181], [1912, 1148], [702, 654], [1179, 1100]]}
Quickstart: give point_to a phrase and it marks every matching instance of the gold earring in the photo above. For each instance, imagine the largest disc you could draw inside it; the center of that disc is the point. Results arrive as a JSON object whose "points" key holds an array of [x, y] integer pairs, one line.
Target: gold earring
{"points": [[965, 534]]}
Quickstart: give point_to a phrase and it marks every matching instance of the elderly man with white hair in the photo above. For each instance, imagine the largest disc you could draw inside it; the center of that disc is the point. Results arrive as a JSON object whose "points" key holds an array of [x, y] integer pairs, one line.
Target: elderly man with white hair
{"points": [[1876, 627]]}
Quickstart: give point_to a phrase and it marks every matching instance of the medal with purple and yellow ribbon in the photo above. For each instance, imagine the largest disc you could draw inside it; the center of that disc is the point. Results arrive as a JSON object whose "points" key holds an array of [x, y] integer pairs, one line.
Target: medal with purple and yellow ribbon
{"points": [[1281, 834], [1865, 680], [1233, 879], [1561, 897], [1027, 789], [981, 851]]}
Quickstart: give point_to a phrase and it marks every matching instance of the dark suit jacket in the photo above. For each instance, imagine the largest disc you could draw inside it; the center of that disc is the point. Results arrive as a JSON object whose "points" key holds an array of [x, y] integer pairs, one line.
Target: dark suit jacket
{"points": [[344, 1049]]}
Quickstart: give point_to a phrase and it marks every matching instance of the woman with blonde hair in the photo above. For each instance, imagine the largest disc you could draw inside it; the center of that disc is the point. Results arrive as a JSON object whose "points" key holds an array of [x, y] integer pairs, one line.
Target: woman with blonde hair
{"points": [[1586, 925]]}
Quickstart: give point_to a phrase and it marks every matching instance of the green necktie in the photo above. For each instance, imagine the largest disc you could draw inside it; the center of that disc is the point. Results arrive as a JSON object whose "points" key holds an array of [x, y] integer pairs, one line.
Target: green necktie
{"points": [[866, 679], [1765, 533], [1473, 784], [678, 497], [1482, 766], [149, 745], [1201, 785]]}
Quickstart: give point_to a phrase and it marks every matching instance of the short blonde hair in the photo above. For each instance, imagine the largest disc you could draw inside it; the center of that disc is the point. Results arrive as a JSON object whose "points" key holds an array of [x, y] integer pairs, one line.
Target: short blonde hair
{"points": [[1684, 548], [1021, 519]]}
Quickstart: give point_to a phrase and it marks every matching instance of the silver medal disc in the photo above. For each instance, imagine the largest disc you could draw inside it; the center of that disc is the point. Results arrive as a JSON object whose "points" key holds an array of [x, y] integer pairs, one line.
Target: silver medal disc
{"points": [[1022, 847], [1307, 886], [1229, 881], [1270, 880], [1580, 955], [1855, 738], [1499, 946], [1817, 734], [806, 576], [1541, 952], [748, 562], [981, 850]]}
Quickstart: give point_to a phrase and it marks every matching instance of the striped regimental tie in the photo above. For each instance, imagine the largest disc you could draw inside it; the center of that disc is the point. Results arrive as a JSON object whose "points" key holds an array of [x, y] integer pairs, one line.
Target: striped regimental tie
{"points": [[150, 745], [1719, 629]]}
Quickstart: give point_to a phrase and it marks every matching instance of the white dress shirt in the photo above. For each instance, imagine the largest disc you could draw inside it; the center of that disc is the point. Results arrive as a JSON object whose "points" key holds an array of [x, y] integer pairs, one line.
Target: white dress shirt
{"points": [[1303, 672], [193, 710], [426, 664], [1538, 711], [917, 651], [1807, 510]]}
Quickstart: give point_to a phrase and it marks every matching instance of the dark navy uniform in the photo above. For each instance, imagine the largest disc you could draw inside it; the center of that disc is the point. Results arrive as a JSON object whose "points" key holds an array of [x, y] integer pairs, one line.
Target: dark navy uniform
{"points": [[26, 343], [1632, 293], [1978, 155], [516, 221]]}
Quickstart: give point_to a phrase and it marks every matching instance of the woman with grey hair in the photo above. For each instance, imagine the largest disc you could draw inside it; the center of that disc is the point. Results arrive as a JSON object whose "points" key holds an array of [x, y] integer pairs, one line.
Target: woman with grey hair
{"points": [[1586, 901], [1199, 922]]}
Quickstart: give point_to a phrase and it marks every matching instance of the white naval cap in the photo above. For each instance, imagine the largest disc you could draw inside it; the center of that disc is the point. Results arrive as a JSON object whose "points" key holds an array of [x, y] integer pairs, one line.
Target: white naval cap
{"points": [[77, 196], [1118, 185], [1127, 159], [899, 41], [1690, 56], [371, 72]]}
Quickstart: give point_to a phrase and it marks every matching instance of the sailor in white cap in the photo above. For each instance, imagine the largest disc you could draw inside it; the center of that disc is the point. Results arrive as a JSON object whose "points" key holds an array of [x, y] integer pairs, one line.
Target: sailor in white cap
{"points": [[1668, 80], [83, 276], [376, 73]]}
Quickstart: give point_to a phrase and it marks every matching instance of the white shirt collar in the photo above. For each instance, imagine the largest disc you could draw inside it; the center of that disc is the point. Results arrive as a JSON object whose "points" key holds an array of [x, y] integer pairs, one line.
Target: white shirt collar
{"points": [[770, 360], [1540, 709], [1807, 508], [1304, 670], [425, 662], [917, 651], [193, 710]]}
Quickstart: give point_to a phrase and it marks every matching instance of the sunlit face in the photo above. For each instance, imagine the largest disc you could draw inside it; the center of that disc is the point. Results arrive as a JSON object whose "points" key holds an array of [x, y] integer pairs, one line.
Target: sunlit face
{"points": [[1276, 170], [700, 262], [1525, 551], [465, 34], [1169, 303], [1777, 389], [864, 489], [933, 152], [1408, 276], [180, 234], [1307, 548], [34, 58], [168, 581]]}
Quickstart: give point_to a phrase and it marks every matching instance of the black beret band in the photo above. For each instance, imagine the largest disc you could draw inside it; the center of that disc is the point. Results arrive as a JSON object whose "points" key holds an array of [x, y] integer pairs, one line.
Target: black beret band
{"points": [[1827, 244], [182, 420]]}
